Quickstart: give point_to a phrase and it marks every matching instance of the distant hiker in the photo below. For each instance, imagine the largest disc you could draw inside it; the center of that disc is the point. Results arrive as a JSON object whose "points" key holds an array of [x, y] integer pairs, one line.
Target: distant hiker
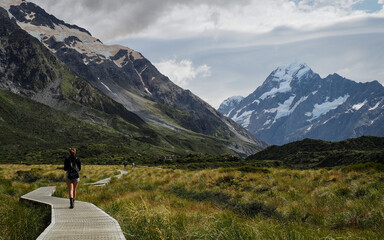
{"points": [[133, 164], [125, 164], [72, 165]]}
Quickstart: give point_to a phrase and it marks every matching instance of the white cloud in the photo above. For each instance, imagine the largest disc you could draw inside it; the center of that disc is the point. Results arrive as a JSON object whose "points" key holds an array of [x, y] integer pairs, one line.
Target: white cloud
{"points": [[255, 17], [111, 20], [380, 1], [182, 72]]}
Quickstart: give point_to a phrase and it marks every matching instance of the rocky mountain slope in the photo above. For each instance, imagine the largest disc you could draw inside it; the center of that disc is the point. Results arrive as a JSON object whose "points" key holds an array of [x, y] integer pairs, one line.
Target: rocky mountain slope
{"points": [[29, 69], [295, 103], [119, 76]]}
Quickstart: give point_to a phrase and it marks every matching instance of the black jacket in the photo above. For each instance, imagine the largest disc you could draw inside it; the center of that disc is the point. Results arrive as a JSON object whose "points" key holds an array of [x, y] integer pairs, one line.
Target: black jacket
{"points": [[75, 160]]}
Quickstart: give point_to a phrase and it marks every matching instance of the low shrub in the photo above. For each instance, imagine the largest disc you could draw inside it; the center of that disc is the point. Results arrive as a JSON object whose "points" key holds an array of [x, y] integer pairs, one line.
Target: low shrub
{"points": [[343, 192], [29, 176], [254, 208], [226, 180]]}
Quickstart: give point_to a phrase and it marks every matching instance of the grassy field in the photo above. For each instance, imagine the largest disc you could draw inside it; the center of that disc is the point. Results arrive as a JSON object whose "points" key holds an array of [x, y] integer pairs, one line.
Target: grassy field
{"points": [[226, 203]]}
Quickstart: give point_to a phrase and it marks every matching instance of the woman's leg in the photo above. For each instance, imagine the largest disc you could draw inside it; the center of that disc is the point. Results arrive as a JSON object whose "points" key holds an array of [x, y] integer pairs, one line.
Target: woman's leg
{"points": [[74, 189], [70, 188]]}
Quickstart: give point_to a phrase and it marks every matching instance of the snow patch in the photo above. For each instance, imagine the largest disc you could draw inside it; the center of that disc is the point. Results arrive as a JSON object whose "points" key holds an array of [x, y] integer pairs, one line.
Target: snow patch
{"points": [[299, 102], [374, 107], [272, 110], [229, 114], [359, 105], [284, 108], [325, 122], [285, 86], [244, 118], [308, 114], [85, 61], [238, 111], [30, 16], [325, 107], [121, 62], [105, 86], [314, 92], [267, 122]]}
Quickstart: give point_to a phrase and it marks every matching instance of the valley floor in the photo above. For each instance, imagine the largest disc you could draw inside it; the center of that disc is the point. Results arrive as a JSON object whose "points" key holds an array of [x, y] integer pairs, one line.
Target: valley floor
{"points": [[226, 203]]}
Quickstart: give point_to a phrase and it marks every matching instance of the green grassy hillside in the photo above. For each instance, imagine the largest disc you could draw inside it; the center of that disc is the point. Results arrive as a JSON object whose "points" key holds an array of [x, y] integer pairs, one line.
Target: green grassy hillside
{"points": [[310, 153], [35, 133]]}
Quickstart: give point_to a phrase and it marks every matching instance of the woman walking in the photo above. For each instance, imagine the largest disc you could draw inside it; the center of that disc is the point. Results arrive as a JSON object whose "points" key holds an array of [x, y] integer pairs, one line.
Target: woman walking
{"points": [[72, 165]]}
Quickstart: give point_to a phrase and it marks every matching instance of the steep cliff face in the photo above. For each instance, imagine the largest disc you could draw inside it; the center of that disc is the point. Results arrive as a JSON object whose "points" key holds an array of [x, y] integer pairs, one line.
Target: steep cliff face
{"points": [[295, 103]]}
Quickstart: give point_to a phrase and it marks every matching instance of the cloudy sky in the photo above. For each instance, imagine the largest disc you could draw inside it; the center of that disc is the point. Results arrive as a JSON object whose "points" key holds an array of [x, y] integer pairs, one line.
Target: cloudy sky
{"points": [[222, 48]]}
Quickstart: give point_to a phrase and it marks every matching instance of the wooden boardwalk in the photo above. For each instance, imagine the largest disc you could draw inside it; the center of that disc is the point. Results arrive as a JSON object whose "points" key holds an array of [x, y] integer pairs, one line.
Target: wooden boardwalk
{"points": [[85, 221], [105, 181]]}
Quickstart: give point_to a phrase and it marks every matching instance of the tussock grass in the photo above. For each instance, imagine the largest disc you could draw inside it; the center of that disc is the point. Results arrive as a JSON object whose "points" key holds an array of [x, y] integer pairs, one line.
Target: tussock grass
{"points": [[152, 203]]}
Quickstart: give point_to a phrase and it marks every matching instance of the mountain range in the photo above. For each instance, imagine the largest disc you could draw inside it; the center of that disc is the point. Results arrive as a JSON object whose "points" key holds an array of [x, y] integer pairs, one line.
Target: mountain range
{"points": [[295, 103], [64, 67]]}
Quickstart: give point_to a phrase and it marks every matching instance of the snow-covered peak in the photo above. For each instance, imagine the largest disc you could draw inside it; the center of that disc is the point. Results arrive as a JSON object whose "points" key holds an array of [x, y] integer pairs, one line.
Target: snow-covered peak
{"points": [[234, 99], [229, 104], [283, 76], [288, 72]]}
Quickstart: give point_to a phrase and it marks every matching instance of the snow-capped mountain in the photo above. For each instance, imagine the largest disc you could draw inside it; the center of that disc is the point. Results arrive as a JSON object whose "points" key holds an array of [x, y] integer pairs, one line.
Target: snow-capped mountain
{"points": [[229, 104], [128, 78], [295, 103]]}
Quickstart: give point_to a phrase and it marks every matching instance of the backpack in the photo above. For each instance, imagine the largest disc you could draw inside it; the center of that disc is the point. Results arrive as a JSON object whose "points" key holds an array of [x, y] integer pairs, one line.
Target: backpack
{"points": [[73, 171]]}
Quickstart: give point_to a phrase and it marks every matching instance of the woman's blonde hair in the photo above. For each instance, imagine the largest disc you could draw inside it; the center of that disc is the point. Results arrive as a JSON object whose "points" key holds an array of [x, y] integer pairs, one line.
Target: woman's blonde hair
{"points": [[72, 151]]}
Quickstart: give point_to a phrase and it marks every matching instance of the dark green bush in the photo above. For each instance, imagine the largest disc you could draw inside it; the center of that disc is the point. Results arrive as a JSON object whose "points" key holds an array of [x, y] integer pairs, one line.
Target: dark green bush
{"points": [[29, 176], [254, 208], [344, 192]]}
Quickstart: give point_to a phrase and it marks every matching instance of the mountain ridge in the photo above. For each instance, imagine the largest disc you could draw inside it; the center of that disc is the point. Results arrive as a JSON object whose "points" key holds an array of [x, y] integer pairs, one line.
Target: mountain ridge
{"points": [[291, 105]]}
